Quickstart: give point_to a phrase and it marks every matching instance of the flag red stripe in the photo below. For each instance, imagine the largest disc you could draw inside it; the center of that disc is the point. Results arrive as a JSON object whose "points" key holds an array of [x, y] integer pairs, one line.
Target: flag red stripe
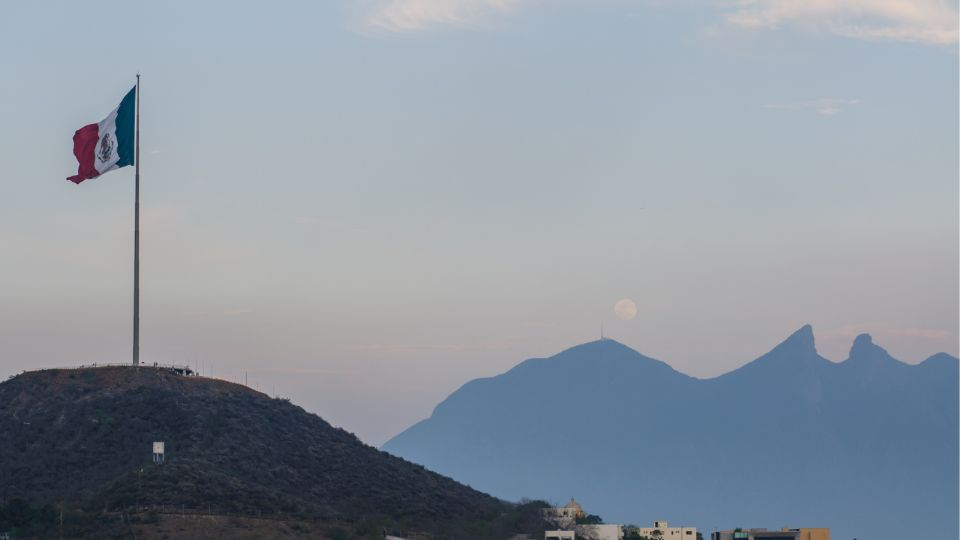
{"points": [[85, 148]]}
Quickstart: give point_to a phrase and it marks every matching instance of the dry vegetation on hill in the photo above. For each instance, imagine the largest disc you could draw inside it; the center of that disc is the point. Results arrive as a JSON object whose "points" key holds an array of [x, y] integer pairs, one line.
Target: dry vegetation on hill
{"points": [[81, 439]]}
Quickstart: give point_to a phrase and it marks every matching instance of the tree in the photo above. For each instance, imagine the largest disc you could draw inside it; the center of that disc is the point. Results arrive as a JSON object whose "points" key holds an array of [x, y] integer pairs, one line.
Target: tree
{"points": [[18, 512], [589, 519]]}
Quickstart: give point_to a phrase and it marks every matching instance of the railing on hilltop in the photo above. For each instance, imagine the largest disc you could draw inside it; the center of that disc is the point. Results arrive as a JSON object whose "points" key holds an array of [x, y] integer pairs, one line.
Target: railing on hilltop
{"points": [[179, 369]]}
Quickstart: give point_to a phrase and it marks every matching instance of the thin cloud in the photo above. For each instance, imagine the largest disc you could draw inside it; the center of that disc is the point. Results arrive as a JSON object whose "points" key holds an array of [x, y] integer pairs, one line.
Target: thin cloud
{"points": [[163, 216], [407, 349], [411, 15], [239, 311], [886, 331], [314, 221], [824, 106], [305, 220], [302, 371], [918, 21], [911, 344]]}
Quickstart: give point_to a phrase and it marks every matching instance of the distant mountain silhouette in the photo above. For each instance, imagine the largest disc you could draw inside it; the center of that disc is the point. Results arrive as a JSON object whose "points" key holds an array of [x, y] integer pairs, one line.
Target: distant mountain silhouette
{"points": [[868, 446], [82, 439]]}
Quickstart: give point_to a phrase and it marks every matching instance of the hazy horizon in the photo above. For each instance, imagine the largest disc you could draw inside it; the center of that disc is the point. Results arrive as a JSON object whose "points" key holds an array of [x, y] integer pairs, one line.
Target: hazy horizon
{"points": [[365, 204]]}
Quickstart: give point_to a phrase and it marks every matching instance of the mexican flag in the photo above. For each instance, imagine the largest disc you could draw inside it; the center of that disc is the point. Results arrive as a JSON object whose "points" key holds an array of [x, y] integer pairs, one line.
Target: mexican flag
{"points": [[108, 145]]}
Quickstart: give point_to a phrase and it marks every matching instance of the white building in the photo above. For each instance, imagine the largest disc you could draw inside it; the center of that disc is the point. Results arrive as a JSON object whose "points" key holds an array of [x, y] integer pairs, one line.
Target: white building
{"points": [[560, 535], [662, 530], [600, 532]]}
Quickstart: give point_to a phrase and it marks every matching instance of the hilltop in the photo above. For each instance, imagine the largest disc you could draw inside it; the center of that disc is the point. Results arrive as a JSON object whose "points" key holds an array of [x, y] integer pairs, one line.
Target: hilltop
{"points": [[81, 439], [867, 446]]}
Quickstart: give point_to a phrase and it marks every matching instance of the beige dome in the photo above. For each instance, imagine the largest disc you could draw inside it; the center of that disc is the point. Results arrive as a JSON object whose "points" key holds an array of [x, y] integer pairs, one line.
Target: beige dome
{"points": [[573, 504]]}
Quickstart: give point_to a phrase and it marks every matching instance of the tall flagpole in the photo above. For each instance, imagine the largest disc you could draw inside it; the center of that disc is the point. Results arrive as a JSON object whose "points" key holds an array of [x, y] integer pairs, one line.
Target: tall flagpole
{"points": [[136, 242]]}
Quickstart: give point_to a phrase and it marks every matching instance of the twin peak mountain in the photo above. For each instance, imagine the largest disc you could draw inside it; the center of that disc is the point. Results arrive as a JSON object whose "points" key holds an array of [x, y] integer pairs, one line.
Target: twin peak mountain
{"points": [[867, 446]]}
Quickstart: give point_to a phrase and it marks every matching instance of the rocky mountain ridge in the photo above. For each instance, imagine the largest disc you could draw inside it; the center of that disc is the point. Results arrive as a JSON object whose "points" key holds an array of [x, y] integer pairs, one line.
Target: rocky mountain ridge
{"points": [[867, 446]]}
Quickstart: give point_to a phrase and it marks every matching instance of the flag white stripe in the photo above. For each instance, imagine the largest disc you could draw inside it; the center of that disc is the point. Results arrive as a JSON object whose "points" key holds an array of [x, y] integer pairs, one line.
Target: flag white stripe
{"points": [[107, 131]]}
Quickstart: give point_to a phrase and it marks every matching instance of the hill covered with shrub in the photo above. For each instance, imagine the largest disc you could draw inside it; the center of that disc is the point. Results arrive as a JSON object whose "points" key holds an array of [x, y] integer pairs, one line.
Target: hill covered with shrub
{"points": [[82, 440]]}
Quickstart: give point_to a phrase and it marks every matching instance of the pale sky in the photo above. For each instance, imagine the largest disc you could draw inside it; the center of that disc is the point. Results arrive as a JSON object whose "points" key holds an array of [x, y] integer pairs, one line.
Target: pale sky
{"points": [[365, 204]]}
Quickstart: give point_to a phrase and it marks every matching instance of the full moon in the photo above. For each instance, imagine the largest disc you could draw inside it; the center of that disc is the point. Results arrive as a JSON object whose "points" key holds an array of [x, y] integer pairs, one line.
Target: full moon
{"points": [[625, 309]]}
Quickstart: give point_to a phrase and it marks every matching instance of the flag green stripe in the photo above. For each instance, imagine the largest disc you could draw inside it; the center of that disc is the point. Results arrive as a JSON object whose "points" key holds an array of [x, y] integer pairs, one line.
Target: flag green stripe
{"points": [[126, 125]]}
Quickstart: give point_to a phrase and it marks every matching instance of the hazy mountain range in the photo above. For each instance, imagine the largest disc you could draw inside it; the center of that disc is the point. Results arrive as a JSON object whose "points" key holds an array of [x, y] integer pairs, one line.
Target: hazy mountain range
{"points": [[867, 446]]}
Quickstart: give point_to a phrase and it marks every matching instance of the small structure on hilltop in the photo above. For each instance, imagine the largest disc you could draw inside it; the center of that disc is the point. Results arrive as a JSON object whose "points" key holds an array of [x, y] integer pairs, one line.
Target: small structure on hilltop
{"points": [[158, 452], [564, 516], [572, 522], [182, 370]]}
